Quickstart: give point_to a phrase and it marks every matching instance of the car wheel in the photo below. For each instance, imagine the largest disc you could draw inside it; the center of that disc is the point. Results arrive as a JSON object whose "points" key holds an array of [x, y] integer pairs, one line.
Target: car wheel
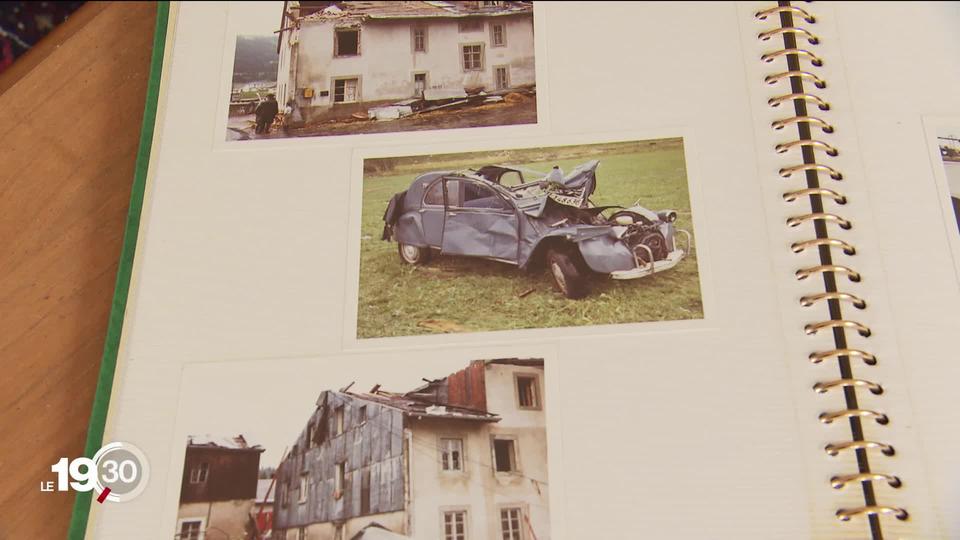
{"points": [[413, 254], [569, 278]]}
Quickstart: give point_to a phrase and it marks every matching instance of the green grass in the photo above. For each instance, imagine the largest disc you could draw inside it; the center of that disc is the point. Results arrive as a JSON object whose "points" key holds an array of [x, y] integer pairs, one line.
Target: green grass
{"points": [[478, 295]]}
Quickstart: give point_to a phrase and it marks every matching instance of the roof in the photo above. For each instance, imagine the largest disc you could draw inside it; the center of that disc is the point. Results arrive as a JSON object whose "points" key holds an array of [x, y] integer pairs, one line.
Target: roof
{"points": [[421, 408], [225, 443], [412, 10], [264, 485]]}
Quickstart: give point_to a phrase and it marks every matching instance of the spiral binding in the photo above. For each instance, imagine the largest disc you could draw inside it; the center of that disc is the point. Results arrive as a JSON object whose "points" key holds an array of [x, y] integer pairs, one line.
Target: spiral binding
{"points": [[798, 80]]}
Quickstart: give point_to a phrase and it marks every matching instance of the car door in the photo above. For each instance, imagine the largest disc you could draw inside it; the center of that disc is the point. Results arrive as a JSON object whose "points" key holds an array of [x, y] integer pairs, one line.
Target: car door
{"points": [[431, 214], [479, 221]]}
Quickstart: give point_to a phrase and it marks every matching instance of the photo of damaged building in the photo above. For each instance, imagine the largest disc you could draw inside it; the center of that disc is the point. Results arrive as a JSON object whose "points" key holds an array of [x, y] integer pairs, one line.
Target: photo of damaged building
{"points": [[389, 60], [459, 458]]}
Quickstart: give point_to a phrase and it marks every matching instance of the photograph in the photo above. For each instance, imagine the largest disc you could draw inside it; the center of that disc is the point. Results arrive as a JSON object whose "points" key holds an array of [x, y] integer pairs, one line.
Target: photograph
{"points": [[524, 238], [949, 143], [314, 69], [437, 450]]}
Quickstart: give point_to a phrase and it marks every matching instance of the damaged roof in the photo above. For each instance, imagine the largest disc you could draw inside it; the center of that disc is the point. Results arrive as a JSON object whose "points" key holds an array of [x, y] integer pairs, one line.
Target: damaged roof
{"points": [[321, 11], [226, 443], [412, 406]]}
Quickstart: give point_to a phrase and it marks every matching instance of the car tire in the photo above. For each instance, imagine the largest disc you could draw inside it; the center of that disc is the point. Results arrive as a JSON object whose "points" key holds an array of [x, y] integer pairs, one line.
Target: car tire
{"points": [[569, 277], [411, 254]]}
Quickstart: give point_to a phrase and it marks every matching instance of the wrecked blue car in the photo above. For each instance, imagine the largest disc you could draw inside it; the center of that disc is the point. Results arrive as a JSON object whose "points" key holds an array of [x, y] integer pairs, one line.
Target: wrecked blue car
{"points": [[493, 212]]}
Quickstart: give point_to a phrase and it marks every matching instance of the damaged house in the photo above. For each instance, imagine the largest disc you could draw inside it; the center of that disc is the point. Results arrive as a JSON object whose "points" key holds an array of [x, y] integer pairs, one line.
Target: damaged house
{"points": [[459, 458], [218, 489], [337, 58]]}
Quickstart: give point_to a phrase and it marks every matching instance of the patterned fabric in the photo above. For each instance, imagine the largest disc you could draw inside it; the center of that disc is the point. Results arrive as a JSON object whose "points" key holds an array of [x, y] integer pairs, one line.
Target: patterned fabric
{"points": [[22, 24]]}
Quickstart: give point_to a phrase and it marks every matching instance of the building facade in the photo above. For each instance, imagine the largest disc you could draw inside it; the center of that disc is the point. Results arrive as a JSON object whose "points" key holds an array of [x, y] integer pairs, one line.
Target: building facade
{"points": [[460, 458], [340, 57], [218, 489]]}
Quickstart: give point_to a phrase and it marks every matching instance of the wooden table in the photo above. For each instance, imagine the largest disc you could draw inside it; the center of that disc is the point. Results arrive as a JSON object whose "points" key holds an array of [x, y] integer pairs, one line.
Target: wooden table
{"points": [[70, 113]]}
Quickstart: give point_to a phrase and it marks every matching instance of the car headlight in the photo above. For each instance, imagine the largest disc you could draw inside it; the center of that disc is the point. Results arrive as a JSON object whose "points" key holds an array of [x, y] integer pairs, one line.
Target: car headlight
{"points": [[667, 215]]}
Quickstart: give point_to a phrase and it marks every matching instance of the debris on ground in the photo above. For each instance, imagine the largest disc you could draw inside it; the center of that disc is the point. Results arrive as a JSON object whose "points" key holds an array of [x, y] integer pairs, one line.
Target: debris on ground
{"points": [[435, 99], [441, 325], [390, 112], [439, 94], [526, 293]]}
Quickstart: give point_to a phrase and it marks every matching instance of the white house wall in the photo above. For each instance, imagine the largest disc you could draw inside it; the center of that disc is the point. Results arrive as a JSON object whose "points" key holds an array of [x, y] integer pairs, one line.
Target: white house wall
{"points": [[220, 518], [478, 489], [386, 63]]}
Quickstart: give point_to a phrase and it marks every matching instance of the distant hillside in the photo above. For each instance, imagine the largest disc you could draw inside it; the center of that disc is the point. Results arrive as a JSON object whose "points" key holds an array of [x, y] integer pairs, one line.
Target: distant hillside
{"points": [[255, 59]]}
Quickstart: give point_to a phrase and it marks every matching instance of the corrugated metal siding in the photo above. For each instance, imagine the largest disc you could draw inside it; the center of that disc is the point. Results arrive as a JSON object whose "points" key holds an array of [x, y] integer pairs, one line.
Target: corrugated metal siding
{"points": [[371, 450]]}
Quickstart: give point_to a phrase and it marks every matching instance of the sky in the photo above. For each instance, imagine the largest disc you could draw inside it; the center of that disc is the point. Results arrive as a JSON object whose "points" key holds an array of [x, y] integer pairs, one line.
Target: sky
{"points": [[269, 401], [255, 18]]}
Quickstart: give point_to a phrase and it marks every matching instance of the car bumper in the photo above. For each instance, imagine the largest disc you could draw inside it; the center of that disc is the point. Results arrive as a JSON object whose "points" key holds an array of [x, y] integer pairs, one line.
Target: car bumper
{"points": [[673, 259]]}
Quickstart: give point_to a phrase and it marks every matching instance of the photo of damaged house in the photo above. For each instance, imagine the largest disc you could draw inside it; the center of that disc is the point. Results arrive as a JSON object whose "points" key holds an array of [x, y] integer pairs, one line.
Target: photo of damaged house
{"points": [[220, 493], [459, 458], [377, 66]]}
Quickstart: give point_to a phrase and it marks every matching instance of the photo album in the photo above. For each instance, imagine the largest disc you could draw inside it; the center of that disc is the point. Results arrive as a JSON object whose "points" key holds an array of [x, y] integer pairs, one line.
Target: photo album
{"points": [[462, 270]]}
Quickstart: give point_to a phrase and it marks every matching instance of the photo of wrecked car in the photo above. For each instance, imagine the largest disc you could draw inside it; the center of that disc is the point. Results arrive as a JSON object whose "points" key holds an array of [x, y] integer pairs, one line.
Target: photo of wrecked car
{"points": [[549, 221], [597, 233]]}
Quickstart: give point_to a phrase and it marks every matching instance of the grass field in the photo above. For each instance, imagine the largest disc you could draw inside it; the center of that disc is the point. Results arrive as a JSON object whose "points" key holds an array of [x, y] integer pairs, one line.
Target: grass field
{"points": [[460, 294]]}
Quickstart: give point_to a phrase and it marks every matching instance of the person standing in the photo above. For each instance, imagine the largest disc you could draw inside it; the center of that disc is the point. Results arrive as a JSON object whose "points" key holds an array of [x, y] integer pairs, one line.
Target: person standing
{"points": [[265, 113]]}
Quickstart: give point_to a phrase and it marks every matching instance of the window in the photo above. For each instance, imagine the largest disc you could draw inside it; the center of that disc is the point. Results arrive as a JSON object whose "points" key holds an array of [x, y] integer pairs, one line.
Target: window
{"points": [[362, 415], [283, 490], [309, 442], [302, 496], [419, 84], [501, 76], [346, 42], [472, 57], [434, 194], [340, 481], [476, 195], [302, 533], [498, 35], [452, 194], [510, 524], [346, 90], [528, 392], [191, 530], [504, 455], [199, 474], [471, 25], [451, 454], [419, 39], [455, 525], [511, 178]]}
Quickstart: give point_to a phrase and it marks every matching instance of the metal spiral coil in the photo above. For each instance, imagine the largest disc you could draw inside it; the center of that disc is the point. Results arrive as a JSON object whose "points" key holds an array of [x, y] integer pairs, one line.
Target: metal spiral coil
{"points": [[800, 84]]}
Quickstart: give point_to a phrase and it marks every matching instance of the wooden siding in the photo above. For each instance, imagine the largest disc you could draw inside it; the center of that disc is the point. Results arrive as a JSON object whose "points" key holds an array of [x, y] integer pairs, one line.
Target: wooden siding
{"points": [[232, 474], [466, 388], [372, 454]]}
